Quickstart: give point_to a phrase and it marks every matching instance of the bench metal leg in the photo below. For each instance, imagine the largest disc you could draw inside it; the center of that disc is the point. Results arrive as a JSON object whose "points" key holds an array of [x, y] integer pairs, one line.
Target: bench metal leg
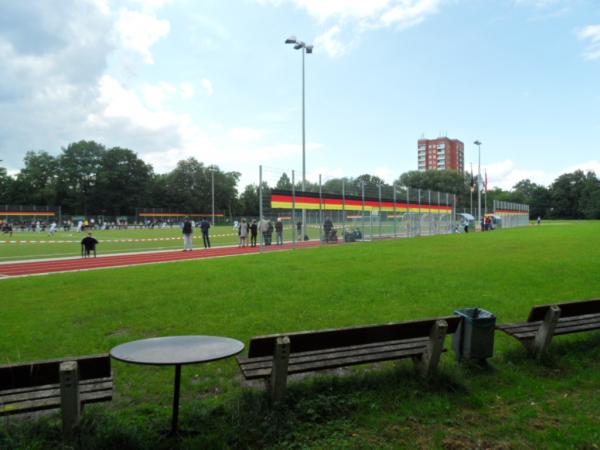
{"points": [[278, 381], [69, 397], [430, 359], [544, 335]]}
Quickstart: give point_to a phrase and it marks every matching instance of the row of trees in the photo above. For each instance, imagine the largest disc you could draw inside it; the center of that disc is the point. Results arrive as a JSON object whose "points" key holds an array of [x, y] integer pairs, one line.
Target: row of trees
{"points": [[88, 178]]}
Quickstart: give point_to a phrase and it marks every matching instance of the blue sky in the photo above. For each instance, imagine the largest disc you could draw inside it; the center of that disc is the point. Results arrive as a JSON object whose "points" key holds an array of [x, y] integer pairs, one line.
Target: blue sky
{"points": [[214, 80]]}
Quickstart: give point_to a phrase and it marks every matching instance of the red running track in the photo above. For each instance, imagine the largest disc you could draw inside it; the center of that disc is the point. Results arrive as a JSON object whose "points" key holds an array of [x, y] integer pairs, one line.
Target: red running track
{"points": [[132, 259]]}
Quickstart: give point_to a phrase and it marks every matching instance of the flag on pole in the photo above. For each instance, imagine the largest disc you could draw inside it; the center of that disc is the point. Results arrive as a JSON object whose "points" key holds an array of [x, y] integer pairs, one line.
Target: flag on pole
{"points": [[486, 181]]}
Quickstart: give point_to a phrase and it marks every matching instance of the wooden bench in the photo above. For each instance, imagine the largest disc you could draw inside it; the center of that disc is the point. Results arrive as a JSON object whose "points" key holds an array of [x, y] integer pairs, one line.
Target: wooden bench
{"points": [[546, 321], [67, 383], [275, 356]]}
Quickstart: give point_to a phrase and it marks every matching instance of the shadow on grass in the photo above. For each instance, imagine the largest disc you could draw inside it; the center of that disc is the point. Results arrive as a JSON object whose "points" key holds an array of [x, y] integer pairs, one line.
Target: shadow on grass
{"points": [[247, 420]]}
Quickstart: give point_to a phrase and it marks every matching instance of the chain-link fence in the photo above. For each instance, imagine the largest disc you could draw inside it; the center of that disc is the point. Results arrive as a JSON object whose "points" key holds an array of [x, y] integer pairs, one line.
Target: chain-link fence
{"points": [[344, 209], [510, 214], [29, 217]]}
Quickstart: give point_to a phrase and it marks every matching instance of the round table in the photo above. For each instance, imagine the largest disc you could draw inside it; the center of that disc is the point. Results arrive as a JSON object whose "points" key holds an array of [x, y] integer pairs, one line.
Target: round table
{"points": [[177, 351]]}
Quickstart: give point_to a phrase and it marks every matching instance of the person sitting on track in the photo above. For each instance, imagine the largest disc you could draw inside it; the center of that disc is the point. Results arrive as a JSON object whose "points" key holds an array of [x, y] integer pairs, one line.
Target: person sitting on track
{"points": [[88, 245]]}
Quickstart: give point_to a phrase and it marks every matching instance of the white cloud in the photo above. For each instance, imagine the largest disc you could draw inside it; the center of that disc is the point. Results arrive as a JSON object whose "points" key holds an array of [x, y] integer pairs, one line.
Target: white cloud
{"points": [[330, 42], [187, 90], [139, 31], [156, 94], [591, 35], [505, 174], [208, 87], [246, 134], [360, 15], [588, 166]]}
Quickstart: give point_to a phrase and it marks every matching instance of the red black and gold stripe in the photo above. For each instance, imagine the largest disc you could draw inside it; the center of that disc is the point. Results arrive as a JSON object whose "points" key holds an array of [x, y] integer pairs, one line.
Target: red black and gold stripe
{"points": [[333, 202]]}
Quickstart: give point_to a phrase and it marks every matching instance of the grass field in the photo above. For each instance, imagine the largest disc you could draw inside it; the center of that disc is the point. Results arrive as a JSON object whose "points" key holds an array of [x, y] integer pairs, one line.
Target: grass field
{"points": [[515, 403]]}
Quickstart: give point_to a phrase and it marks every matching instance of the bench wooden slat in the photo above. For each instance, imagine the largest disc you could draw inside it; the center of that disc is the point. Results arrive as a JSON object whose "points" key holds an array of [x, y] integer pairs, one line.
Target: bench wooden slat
{"points": [[298, 358], [335, 363], [527, 329], [53, 391], [347, 337], [562, 331], [567, 309], [51, 403], [22, 375], [259, 359]]}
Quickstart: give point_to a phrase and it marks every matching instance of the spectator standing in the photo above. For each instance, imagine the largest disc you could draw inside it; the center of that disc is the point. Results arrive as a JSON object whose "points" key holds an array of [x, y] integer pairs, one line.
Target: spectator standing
{"points": [[327, 226], [188, 231], [253, 233], [263, 226], [279, 231], [205, 226], [299, 228], [243, 230], [88, 245], [539, 220]]}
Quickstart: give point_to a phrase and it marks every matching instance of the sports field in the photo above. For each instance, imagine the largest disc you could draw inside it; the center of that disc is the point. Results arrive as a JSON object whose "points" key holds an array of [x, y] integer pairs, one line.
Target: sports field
{"points": [[515, 403]]}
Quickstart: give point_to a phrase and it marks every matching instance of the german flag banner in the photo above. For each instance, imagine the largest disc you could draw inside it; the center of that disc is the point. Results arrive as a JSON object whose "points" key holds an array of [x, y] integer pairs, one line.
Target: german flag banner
{"points": [[335, 202], [511, 212]]}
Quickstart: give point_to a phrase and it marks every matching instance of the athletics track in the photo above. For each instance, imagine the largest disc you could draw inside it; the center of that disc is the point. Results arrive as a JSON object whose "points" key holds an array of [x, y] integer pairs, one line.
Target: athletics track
{"points": [[47, 266]]}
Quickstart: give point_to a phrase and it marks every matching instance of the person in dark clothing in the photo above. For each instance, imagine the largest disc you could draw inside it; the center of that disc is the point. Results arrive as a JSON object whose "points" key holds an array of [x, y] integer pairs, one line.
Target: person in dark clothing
{"points": [[253, 233], [188, 230], [204, 225], [279, 231], [327, 226], [299, 227], [88, 245]]}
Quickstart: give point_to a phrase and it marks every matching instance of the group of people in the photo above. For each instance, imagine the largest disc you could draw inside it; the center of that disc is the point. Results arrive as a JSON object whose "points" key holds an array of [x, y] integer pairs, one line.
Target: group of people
{"points": [[188, 231]]}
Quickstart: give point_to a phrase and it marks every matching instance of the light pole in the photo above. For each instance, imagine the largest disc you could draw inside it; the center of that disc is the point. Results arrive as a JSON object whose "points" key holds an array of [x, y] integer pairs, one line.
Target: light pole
{"points": [[478, 144], [212, 190], [299, 45]]}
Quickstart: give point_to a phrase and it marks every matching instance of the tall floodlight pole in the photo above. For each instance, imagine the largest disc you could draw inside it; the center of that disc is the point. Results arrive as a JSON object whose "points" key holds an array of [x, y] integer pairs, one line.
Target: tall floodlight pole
{"points": [[299, 45], [212, 191], [478, 144]]}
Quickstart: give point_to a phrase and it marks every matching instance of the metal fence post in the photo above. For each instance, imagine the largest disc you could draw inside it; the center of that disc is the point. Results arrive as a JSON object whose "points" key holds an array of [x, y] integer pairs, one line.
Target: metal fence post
{"points": [[343, 207], [362, 185], [320, 210], [408, 212], [394, 211], [294, 237], [260, 205], [379, 215]]}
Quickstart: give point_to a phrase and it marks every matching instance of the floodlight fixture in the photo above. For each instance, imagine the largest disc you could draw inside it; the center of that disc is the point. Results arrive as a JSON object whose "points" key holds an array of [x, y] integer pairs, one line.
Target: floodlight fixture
{"points": [[291, 40], [309, 49]]}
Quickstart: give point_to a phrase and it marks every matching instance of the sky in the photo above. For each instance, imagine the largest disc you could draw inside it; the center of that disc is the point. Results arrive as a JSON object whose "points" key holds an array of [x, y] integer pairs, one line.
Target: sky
{"points": [[214, 80]]}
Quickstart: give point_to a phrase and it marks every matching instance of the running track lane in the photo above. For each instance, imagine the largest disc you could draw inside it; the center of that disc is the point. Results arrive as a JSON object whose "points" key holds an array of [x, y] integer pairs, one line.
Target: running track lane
{"points": [[75, 264]]}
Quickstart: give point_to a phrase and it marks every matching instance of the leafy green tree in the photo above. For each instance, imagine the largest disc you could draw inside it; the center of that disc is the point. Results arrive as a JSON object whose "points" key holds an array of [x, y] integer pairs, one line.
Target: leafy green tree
{"points": [[6, 186], [590, 197], [249, 204], [79, 165], [37, 182], [566, 194], [121, 183], [284, 182]]}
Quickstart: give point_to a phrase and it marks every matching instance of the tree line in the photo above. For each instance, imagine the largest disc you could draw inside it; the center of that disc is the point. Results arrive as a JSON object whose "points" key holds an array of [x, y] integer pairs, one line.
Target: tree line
{"points": [[88, 178]]}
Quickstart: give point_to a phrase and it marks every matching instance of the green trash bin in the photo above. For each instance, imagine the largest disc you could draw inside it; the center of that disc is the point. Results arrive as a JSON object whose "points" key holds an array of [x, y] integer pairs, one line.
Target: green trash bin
{"points": [[474, 338]]}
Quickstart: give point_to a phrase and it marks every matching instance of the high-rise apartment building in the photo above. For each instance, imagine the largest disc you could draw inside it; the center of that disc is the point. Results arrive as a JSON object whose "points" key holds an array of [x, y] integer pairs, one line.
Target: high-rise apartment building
{"points": [[441, 154]]}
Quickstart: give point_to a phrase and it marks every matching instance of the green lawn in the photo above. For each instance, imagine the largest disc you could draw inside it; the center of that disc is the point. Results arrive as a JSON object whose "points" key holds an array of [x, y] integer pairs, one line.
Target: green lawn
{"points": [[516, 403]]}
